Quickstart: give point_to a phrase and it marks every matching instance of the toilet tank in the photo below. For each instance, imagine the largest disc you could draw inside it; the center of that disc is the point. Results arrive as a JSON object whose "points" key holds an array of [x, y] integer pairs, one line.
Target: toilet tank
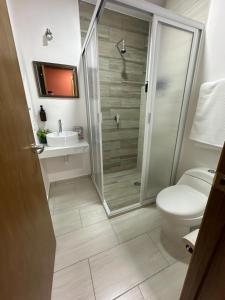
{"points": [[200, 179]]}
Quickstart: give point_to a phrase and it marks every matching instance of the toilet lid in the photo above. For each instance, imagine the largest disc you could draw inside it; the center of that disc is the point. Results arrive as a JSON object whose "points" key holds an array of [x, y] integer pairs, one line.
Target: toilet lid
{"points": [[182, 200]]}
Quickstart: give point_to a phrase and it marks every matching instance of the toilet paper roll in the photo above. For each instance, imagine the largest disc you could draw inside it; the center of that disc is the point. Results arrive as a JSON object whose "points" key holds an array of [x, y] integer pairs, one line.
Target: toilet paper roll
{"points": [[189, 240]]}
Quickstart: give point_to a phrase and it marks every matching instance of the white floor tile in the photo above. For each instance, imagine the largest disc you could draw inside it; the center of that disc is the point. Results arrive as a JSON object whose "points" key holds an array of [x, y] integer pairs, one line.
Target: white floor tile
{"points": [[74, 195], [119, 269], [166, 285], [83, 243], [92, 214], [65, 222], [132, 224], [171, 251], [134, 294], [73, 283]]}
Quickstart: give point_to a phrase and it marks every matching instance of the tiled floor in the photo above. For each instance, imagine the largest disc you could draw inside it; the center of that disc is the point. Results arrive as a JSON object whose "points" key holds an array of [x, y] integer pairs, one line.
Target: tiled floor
{"points": [[120, 190], [122, 258]]}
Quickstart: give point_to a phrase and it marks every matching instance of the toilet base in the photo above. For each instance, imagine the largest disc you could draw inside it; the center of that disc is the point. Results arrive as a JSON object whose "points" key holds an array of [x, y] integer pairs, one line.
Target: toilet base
{"points": [[175, 229]]}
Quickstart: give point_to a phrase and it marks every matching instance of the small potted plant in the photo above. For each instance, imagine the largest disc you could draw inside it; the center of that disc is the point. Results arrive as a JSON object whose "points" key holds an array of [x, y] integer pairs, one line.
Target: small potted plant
{"points": [[41, 133]]}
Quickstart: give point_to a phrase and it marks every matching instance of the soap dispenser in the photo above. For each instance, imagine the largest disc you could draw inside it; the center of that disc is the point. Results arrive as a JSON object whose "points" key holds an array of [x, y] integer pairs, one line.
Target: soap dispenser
{"points": [[42, 114]]}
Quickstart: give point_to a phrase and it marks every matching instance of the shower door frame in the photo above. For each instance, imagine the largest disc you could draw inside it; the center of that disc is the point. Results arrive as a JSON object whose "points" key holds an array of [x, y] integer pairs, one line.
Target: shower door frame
{"points": [[99, 116], [151, 78], [168, 17]]}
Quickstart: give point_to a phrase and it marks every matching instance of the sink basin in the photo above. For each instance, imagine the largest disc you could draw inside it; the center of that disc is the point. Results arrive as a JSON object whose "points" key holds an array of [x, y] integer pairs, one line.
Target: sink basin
{"points": [[62, 139]]}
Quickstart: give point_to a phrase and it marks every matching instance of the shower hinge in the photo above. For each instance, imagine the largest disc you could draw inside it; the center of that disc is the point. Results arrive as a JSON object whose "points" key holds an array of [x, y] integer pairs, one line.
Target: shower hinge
{"points": [[146, 87]]}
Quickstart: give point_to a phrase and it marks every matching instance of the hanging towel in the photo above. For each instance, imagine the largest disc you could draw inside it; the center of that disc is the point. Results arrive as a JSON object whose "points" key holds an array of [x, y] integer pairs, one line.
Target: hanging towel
{"points": [[209, 121]]}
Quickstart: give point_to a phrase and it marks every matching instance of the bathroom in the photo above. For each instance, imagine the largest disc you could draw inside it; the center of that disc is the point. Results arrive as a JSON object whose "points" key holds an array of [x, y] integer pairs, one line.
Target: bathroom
{"points": [[128, 143]]}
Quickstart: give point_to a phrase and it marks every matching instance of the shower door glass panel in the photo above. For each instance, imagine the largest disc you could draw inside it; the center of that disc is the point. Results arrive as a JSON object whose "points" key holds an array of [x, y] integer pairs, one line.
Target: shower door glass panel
{"points": [[173, 49], [92, 87], [123, 47]]}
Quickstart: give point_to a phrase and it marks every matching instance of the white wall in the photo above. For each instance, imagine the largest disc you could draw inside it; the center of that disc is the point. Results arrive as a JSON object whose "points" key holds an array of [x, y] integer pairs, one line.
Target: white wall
{"points": [[29, 19], [212, 67]]}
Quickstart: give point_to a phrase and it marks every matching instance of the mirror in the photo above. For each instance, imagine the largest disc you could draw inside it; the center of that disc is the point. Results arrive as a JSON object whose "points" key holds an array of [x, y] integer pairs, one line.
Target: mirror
{"points": [[56, 80]]}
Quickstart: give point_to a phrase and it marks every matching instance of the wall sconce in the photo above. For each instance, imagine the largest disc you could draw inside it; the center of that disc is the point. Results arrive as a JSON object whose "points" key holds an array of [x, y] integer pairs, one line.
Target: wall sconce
{"points": [[48, 35]]}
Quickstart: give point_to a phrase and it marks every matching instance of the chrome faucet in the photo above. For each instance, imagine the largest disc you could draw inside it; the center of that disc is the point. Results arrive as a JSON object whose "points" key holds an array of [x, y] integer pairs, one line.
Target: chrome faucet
{"points": [[60, 126]]}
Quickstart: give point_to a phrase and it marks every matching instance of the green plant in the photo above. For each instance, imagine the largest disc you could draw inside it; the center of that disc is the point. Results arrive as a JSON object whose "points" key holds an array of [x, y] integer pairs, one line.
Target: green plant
{"points": [[41, 133]]}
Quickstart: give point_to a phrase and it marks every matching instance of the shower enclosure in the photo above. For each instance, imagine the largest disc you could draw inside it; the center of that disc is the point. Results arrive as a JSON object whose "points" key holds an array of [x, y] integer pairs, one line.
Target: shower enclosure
{"points": [[139, 64]]}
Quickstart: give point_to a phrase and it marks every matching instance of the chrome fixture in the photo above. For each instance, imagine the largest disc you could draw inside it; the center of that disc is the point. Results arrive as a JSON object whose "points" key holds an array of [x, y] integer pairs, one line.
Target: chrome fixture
{"points": [[117, 119], [37, 148], [121, 47], [48, 35], [60, 126]]}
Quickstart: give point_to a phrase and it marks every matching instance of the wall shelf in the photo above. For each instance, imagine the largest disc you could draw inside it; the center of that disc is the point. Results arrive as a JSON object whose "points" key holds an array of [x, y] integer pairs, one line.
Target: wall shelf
{"points": [[80, 147]]}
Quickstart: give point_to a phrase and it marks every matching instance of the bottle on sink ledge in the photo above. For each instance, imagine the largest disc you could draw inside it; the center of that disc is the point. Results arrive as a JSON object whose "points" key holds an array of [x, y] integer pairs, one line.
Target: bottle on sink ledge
{"points": [[42, 114], [80, 131]]}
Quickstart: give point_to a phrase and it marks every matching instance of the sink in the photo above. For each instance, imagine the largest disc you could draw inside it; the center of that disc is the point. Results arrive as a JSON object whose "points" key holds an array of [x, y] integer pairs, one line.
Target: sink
{"points": [[62, 139]]}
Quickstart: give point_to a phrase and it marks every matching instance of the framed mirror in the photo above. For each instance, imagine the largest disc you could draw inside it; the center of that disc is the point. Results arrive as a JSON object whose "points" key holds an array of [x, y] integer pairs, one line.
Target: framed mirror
{"points": [[56, 80]]}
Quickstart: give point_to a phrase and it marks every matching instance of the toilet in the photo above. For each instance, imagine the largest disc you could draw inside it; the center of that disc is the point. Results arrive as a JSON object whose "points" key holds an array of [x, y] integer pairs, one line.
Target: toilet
{"points": [[182, 205]]}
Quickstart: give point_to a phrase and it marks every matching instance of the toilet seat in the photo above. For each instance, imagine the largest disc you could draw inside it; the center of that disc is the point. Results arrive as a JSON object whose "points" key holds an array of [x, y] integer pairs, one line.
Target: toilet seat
{"points": [[182, 201]]}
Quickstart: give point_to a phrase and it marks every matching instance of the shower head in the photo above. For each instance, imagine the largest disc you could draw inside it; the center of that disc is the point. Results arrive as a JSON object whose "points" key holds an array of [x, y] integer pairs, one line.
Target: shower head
{"points": [[121, 47]]}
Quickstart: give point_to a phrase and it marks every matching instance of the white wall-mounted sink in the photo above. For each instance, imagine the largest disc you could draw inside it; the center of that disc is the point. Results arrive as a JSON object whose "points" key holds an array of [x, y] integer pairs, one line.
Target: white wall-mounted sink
{"points": [[62, 139]]}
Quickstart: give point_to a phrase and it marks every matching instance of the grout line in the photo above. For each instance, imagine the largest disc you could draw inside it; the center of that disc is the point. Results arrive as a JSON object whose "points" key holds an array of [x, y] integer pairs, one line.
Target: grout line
{"points": [[108, 249], [91, 278], [137, 285], [81, 222], [140, 291], [82, 227], [116, 235], [156, 244], [141, 282], [91, 256]]}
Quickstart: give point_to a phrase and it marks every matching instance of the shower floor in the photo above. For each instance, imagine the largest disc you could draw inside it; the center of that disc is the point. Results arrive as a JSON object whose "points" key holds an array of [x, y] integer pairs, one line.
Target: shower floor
{"points": [[120, 189]]}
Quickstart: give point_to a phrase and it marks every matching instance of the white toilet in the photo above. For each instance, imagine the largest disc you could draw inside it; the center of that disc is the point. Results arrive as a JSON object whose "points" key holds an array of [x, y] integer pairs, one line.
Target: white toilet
{"points": [[182, 205]]}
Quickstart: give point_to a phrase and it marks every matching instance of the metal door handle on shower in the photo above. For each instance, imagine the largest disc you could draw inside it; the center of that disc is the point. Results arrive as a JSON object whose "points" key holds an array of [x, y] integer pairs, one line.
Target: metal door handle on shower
{"points": [[117, 119]]}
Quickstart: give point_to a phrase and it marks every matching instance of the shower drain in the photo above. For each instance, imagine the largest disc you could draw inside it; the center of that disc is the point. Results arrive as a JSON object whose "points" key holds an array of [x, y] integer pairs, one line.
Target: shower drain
{"points": [[137, 183]]}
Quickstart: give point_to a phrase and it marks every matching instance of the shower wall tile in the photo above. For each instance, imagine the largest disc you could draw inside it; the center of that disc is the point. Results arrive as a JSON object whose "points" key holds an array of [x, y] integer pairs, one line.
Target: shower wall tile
{"points": [[108, 102], [108, 49], [111, 135], [115, 77], [114, 64], [121, 21], [136, 40], [124, 124], [121, 80], [120, 90], [86, 10]]}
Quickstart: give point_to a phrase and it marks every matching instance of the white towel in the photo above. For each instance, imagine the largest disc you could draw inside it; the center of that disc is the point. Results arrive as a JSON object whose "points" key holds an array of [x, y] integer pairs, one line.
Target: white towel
{"points": [[209, 121]]}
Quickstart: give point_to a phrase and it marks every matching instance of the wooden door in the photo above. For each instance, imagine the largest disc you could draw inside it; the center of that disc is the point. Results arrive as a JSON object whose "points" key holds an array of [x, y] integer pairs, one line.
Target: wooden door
{"points": [[27, 242], [205, 279]]}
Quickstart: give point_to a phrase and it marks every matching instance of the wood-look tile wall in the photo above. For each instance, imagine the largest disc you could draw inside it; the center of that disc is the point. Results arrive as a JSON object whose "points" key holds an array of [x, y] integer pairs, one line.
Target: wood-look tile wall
{"points": [[121, 80]]}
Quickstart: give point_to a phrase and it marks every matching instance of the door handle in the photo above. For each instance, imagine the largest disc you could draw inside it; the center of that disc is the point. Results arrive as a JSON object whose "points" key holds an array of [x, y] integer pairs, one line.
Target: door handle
{"points": [[37, 148]]}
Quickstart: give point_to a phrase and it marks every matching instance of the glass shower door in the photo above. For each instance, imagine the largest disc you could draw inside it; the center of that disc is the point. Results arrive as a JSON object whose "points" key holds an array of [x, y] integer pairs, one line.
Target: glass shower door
{"points": [[173, 54], [90, 59]]}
